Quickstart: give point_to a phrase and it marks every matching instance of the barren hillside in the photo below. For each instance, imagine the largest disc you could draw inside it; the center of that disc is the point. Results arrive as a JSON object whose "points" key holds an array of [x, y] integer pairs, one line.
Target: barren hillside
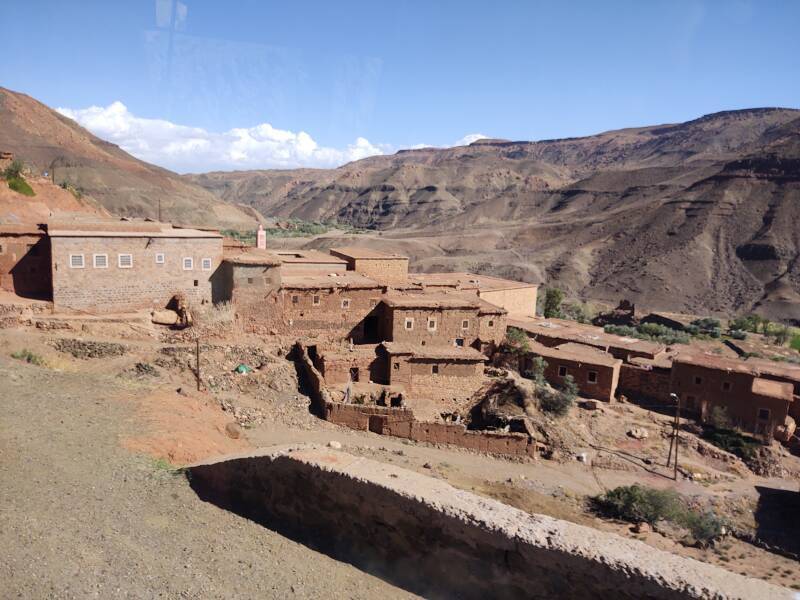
{"points": [[699, 216], [46, 140]]}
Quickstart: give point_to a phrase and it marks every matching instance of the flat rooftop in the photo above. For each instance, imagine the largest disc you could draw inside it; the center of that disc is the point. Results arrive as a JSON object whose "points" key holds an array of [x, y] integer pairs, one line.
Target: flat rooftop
{"points": [[773, 389], [574, 352], [120, 228], [254, 256], [20, 229], [753, 366], [583, 334], [342, 280], [468, 281], [453, 301], [291, 257], [435, 352], [360, 253]]}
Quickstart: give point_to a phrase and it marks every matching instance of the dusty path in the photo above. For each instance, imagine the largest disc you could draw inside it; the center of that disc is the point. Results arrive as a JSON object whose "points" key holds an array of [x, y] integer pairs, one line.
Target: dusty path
{"points": [[82, 517]]}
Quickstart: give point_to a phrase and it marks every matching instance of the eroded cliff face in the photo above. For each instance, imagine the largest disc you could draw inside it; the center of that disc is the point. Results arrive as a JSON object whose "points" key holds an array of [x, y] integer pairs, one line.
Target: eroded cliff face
{"points": [[699, 216]]}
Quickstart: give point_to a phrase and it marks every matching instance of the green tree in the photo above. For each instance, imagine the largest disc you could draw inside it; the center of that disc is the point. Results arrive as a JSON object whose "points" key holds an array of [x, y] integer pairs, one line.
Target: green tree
{"points": [[517, 340], [536, 372], [552, 303], [13, 170]]}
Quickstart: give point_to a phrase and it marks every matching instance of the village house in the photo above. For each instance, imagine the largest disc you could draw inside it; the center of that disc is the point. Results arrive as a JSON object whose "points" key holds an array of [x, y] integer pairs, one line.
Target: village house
{"points": [[752, 403], [516, 297], [385, 268], [554, 332], [25, 261], [596, 373], [121, 266]]}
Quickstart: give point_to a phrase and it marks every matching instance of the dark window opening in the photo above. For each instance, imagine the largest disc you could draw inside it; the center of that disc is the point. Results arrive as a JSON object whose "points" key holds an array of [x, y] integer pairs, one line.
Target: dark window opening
{"points": [[763, 414], [196, 283], [396, 366], [726, 386], [249, 280], [592, 377], [562, 371], [295, 299], [459, 341], [491, 323], [435, 369], [353, 373]]}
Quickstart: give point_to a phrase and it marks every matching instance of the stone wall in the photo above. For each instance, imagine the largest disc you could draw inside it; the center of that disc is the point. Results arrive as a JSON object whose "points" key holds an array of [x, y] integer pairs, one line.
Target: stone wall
{"points": [[381, 269], [643, 385], [492, 328], [517, 301], [146, 284], [25, 265], [422, 534], [449, 326]]}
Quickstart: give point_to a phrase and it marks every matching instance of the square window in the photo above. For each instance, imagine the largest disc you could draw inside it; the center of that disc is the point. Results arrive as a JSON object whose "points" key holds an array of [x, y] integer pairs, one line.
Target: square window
{"points": [[459, 341], [159, 258], [345, 303], [315, 300], [763, 414], [100, 261], [698, 381], [591, 377], [435, 369], [125, 261], [491, 323], [396, 366], [409, 323], [188, 263], [562, 371], [196, 283], [205, 264], [465, 324], [249, 280], [76, 261], [431, 324], [726, 386], [295, 299]]}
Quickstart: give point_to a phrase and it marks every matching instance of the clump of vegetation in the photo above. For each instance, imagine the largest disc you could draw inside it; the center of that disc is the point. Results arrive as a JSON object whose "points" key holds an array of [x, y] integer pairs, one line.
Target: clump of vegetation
{"points": [[162, 465], [577, 311], [536, 372], [75, 191], [29, 357], [749, 322], [705, 327], [650, 331], [517, 340], [553, 297], [730, 440], [637, 504], [718, 417], [558, 402], [794, 343], [13, 176]]}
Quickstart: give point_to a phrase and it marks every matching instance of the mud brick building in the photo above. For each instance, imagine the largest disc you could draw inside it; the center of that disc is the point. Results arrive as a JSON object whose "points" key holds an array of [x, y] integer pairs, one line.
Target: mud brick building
{"points": [[309, 261], [753, 403], [119, 266], [596, 373], [555, 332], [646, 381], [25, 261], [384, 268], [434, 373], [340, 365], [516, 297]]}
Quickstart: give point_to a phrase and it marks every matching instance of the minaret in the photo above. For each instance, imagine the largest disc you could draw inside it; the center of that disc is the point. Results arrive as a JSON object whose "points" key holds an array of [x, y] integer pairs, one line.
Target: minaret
{"points": [[261, 238]]}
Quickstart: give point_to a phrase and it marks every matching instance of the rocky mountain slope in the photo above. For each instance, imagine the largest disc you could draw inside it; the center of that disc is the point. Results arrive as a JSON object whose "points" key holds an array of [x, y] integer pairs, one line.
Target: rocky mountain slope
{"points": [[126, 186], [699, 216]]}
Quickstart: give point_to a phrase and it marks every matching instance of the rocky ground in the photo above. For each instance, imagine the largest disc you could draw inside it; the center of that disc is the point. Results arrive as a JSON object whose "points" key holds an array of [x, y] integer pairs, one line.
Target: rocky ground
{"points": [[92, 436]]}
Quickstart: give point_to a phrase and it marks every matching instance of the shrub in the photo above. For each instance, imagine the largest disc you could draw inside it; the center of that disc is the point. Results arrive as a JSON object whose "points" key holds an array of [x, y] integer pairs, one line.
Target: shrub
{"points": [[14, 170], [19, 185], [650, 331], [552, 303], [795, 342], [636, 504], [732, 441], [558, 402], [538, 367], [577, 311], [707, 324], [517, 340], [718, 417], [738, 334], [29, 357]]}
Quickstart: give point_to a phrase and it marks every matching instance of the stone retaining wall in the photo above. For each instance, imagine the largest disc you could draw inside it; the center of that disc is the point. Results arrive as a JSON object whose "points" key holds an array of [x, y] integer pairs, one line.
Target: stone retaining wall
{"points": [[424, 535]]}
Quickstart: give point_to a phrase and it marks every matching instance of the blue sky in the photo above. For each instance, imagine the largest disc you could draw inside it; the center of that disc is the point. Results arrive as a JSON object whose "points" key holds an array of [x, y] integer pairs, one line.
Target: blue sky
{"points": [[196, 85]]}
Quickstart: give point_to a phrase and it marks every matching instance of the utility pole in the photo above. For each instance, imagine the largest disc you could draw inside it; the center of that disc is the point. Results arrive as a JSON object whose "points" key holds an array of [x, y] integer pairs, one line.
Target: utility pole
{"points": [[675, 438], [197, 355]]}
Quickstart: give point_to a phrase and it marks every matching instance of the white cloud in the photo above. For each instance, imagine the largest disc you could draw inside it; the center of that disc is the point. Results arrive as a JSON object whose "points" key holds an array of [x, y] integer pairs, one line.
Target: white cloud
{"points": [[468, 139], [193, 149]]}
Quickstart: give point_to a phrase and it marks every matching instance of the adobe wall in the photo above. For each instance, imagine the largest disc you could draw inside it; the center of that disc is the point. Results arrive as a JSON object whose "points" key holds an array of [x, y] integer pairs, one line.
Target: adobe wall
{"points": [[448, 326], [336, 369], [25, 265], [603, 389], [741, 403], [422, 534], [145, 285], [518, 301], [644, 385], [492, 328], [383, 270]]}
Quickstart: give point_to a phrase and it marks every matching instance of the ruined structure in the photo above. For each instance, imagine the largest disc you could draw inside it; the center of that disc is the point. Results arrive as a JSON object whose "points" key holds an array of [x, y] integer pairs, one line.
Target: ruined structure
{"points": [[384, 268]]}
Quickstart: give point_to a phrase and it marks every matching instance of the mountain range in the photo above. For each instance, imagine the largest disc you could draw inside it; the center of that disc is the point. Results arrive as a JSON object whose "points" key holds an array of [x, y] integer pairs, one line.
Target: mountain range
{"points": [[702, 216]]}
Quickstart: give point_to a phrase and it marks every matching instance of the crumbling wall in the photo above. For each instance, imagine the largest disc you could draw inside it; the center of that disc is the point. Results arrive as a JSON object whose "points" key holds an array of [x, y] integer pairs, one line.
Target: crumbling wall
{"points": [[432, 539], [644, 385]]}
